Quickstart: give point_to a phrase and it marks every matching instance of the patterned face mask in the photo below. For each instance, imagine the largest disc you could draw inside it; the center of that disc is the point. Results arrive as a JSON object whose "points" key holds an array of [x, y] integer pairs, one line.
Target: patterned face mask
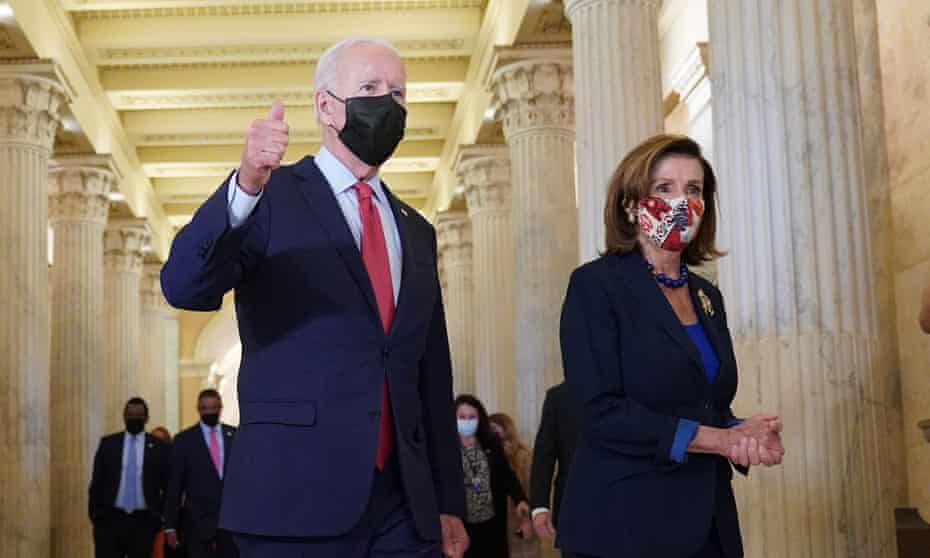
{"points": [[670, 223]]}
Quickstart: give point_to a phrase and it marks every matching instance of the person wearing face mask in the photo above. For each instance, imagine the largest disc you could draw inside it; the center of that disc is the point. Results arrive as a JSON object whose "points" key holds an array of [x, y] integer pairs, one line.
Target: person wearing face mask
{"points": [[648, 355], [127, 487], [195, 483], [489, 482], [345, 381]]}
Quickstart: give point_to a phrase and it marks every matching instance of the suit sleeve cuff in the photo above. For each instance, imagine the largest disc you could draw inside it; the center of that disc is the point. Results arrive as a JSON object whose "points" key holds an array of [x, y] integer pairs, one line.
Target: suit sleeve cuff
{"points": [[538, 511], [683, 436], [240, 203]]}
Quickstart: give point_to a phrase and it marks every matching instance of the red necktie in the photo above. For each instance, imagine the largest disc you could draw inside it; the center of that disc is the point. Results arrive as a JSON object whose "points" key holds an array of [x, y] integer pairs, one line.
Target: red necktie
{"points": [[375, 258]]}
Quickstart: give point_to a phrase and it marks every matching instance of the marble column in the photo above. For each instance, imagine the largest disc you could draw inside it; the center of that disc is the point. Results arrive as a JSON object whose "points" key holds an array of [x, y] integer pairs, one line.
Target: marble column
{"points": [[453, 231], [172, 377], [534, 98], [29, 117], [124, 241], [78, 208], [618, 97], [151, 380], [485, 171], [799, 280]]}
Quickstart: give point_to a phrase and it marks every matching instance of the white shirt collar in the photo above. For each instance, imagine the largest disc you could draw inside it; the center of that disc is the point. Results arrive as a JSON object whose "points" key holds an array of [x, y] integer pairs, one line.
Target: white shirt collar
{"points": [[340, 178]]}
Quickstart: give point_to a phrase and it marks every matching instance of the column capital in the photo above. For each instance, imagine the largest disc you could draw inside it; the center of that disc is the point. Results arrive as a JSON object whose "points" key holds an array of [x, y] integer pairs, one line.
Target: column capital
{"points": [[79, 188], [485, 174], [453, 235], [574, 6], [150, 288], [124, 242], [535, 91], [31, 96]]}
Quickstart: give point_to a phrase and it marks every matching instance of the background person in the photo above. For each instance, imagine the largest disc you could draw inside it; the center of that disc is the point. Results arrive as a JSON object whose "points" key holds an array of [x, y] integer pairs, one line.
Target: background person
{"points": [[488, 482]]}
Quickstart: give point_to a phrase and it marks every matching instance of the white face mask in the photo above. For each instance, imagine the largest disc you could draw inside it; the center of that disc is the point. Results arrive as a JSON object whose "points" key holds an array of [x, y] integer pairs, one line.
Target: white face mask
{"points": [[467, 427]]}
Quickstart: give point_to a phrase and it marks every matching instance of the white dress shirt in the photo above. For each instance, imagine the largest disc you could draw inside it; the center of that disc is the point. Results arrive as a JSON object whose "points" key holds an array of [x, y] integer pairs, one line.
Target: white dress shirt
{"points": [[219, 437], [140, 455], [341, 180]]}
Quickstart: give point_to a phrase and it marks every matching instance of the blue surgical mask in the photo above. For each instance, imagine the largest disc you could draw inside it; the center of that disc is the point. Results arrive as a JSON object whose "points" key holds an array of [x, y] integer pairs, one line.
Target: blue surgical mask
{"points": [[467, 427]]}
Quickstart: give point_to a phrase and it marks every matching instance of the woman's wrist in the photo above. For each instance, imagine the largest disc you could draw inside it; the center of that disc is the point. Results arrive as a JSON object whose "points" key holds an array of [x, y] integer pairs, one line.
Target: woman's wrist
{"points": [[709, 439]]}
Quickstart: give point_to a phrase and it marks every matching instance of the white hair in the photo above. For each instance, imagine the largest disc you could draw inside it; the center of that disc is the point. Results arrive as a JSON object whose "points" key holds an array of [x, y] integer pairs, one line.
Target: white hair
{"points": [[328, 66]]}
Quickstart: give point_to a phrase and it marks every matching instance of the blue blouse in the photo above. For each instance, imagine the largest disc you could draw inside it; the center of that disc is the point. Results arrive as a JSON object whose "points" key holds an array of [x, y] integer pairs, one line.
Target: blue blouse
{"points": [[688, 428]]}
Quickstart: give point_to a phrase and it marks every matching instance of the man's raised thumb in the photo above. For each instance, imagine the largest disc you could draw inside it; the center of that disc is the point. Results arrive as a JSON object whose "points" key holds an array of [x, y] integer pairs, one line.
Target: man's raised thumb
{"points": [[277, 110]]}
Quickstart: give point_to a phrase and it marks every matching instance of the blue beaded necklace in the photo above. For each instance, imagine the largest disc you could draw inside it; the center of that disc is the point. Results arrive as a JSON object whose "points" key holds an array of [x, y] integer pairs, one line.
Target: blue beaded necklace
{"points": [[668, 282]]}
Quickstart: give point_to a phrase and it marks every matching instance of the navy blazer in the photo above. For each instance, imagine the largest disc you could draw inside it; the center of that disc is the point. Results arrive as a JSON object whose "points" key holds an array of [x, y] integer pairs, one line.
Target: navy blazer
{"points": [[315, 356], [636, 372], [554, 449], [194, 484], [108, 472]]}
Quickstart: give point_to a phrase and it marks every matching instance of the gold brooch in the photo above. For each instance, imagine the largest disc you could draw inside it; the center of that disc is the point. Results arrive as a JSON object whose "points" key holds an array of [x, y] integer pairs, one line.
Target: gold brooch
{"points": [[705, 302]]}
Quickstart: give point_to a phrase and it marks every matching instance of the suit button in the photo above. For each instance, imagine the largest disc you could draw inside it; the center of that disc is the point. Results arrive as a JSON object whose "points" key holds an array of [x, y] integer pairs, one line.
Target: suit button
{"points": [[707, 404], [386, 352]]}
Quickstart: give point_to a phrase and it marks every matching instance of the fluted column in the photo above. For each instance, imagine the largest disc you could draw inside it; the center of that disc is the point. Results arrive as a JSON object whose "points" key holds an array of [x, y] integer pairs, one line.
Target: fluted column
{"points": [[618, 96], [29, 116], [534, 98], [485, 171], [124, 240], [150, 383], [172, 377], [799, 280], [453, 232], [78, 207]]}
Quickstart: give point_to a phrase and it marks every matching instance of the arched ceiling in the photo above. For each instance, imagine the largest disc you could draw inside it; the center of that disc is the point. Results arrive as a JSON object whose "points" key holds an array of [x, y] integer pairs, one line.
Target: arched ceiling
{"points": [[184, 78]]}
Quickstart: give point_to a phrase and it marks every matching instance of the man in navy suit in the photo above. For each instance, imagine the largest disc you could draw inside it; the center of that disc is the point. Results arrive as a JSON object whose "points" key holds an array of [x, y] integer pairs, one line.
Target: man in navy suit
{"points": [[198, 461], [127, 488], [347, 443]]}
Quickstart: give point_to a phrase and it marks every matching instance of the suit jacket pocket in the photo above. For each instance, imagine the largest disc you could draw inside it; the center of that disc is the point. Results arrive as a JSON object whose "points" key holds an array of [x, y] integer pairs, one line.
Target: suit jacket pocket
{"points": [[293, 413]]}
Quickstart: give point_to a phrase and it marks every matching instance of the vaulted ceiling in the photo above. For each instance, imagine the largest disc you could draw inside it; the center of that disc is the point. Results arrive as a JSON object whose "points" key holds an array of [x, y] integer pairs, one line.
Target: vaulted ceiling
{"points": [[174, 84]]}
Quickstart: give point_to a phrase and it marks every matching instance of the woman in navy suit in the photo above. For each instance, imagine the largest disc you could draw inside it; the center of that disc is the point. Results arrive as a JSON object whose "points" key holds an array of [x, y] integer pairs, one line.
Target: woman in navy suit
{"points": [[646, 349]]}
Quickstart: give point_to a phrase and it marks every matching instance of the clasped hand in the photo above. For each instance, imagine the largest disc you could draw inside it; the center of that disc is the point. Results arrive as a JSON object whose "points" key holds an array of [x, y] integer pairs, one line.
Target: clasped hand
{"points": [[755, 441]]}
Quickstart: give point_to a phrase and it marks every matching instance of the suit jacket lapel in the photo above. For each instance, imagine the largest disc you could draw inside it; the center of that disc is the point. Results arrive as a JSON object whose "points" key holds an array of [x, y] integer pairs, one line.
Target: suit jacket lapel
{"points": [[407, 275], [323, 204], [656, 305], [710, 327], [228, 438]]}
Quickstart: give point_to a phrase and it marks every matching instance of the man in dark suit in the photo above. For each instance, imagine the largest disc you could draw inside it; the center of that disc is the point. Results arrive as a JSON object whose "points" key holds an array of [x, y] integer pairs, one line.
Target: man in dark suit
{"points": [[347, 443], [198, 462], [127, 488], [554, 448]]}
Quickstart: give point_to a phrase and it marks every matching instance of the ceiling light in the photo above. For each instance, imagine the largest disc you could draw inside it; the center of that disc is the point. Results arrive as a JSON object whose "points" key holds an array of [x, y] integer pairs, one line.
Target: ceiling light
{"points": [[489, 114], [116, 196], [5, 10], [70, 124]]}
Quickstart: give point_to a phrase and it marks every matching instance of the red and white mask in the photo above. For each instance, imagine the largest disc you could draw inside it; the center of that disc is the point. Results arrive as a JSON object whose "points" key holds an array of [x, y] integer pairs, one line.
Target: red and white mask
{"points": [[670, 223]]}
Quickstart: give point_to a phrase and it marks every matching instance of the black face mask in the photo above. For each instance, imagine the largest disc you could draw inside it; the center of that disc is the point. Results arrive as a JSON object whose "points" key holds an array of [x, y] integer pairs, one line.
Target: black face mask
{"points": [[134, 425], [210, 419], [374, 127]]}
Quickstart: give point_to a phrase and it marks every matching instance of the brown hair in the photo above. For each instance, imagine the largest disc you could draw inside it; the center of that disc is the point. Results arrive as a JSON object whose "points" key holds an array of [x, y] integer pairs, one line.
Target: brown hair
{"points": [[631, 182], [518, 455]]}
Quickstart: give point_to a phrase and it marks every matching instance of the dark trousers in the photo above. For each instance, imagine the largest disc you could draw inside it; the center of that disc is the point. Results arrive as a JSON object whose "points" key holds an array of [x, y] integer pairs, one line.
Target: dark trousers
{"points": [[487, 539], [122, 535], [711, 549], [386, 530], [220, 546]]}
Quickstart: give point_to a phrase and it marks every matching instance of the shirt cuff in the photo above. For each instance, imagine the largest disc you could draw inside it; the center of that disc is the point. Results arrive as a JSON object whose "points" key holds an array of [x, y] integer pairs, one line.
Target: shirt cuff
{"points": [[683, 436], [170, 530], [734, 422], [538, 511], [240, 203]]}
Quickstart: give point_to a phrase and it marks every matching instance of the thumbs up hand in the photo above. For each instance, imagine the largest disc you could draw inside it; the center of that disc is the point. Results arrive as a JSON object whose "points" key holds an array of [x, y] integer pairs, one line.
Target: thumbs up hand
{"points": [[265, 144]]}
